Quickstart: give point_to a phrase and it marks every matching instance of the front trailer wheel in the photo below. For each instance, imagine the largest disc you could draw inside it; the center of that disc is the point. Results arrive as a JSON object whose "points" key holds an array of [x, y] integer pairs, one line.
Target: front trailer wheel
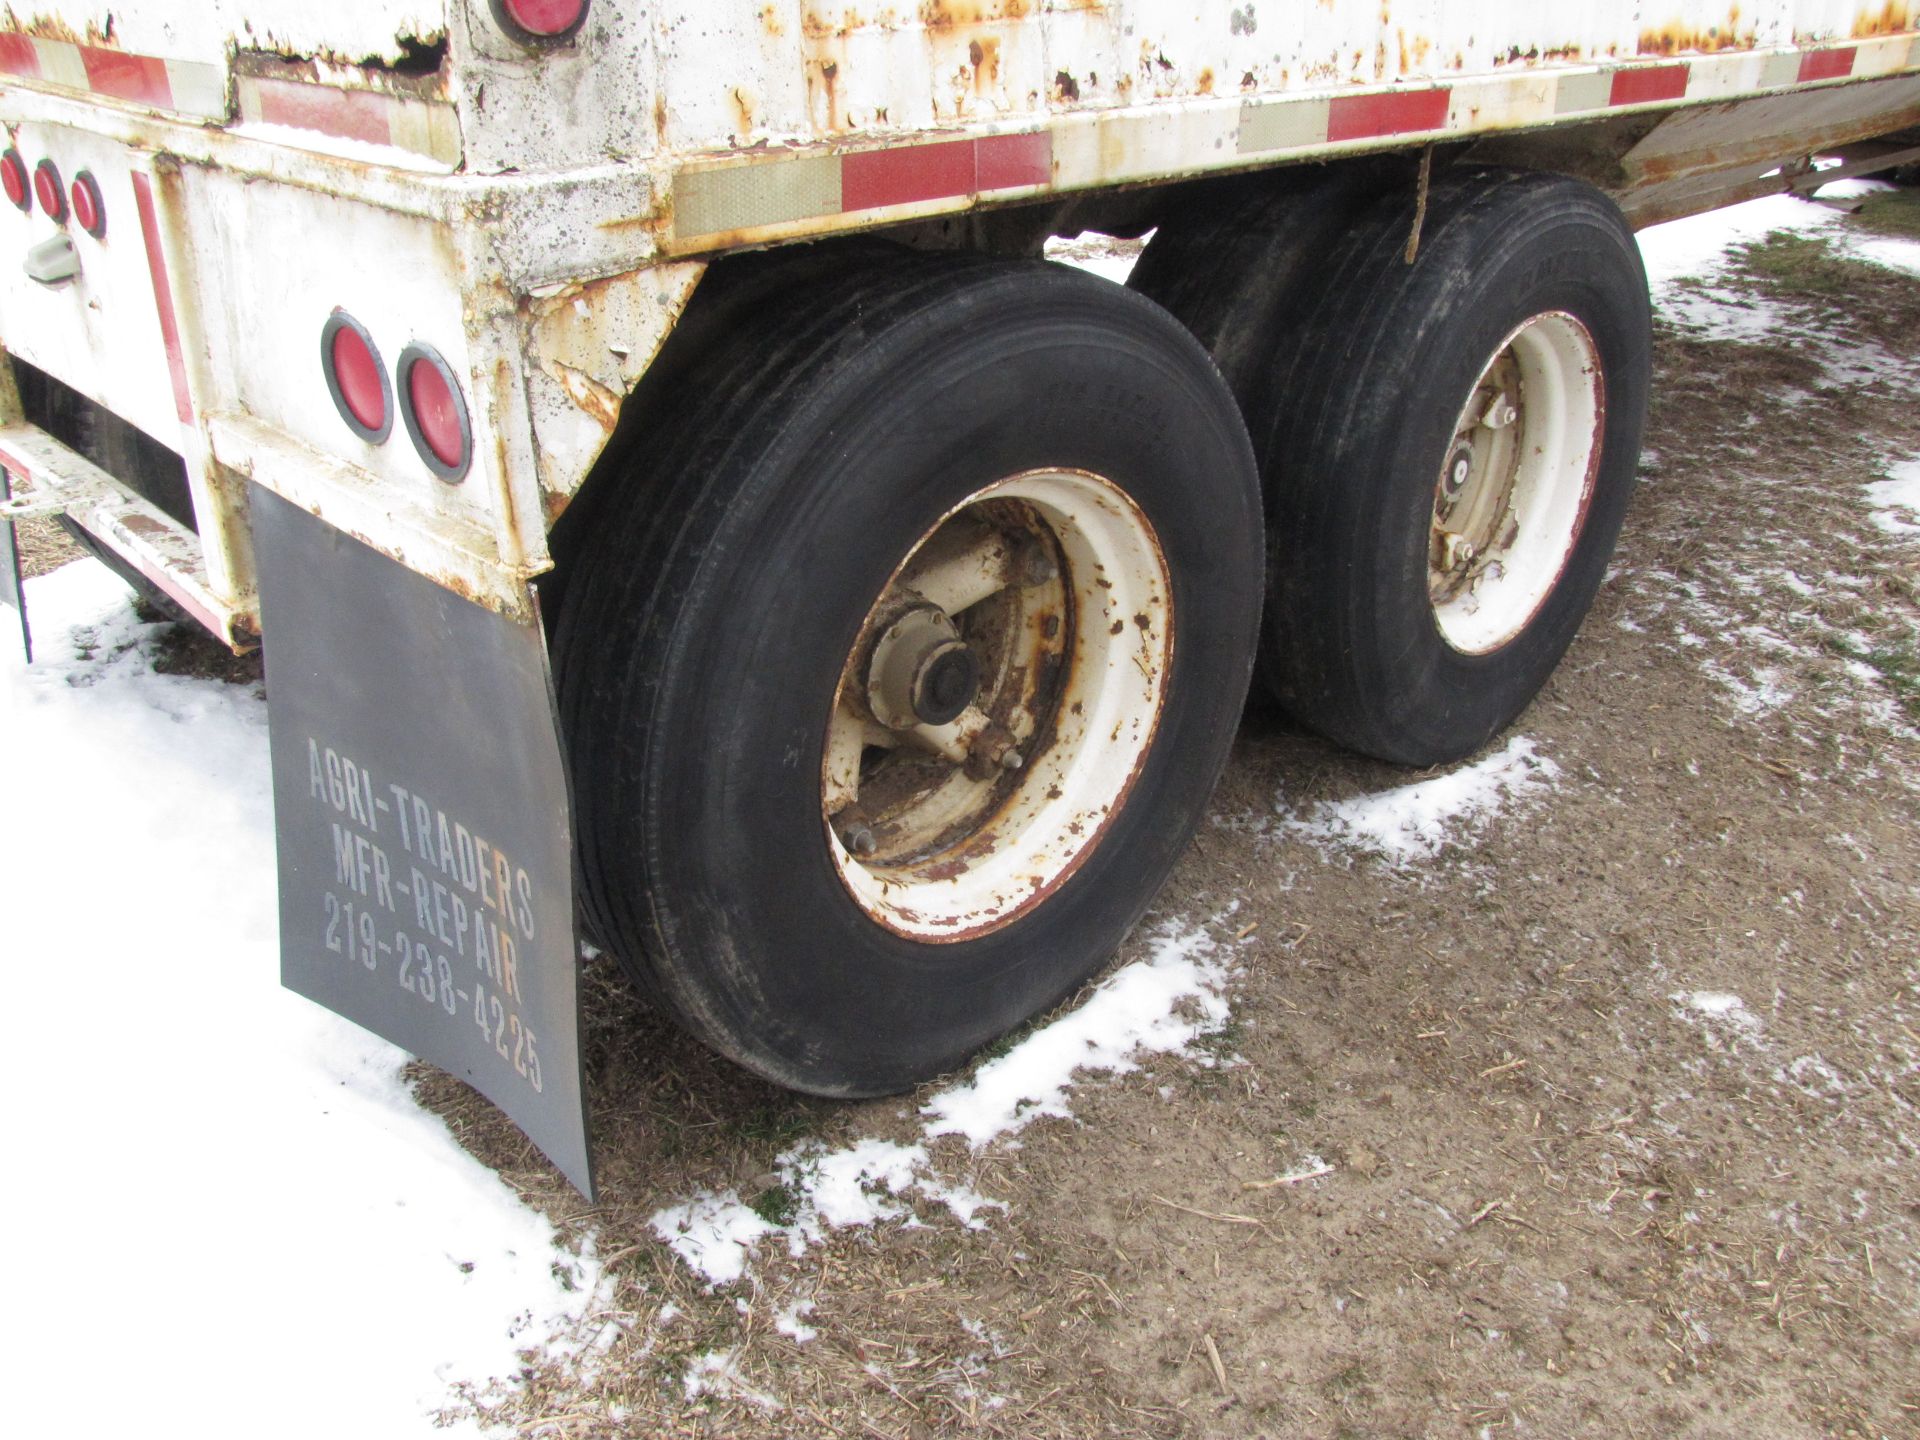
{"points": [[897, 675]]}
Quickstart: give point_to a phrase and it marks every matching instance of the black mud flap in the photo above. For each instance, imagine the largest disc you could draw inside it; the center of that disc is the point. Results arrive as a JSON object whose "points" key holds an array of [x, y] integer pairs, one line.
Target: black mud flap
{"points": [[420, 805], [12, 595]]}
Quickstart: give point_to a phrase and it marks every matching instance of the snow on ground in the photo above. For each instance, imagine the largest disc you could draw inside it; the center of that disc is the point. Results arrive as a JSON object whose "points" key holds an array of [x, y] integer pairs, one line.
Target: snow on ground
{"points": [[1152, 1007], [1696, 246], [1415, 822], [232, 1183], [1155, 1006], [1896, 500], [1765, 669]]}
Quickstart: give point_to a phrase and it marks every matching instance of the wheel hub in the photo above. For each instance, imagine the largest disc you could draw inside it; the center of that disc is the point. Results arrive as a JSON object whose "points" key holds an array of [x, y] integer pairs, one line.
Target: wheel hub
{"points": [[945, 683], [1512, 491], [1001, 696]]}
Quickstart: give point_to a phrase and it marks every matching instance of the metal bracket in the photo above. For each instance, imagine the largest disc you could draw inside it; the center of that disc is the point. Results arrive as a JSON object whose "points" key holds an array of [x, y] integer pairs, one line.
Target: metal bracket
{"points": [[55, 261], [51, 500], [12, 593]]}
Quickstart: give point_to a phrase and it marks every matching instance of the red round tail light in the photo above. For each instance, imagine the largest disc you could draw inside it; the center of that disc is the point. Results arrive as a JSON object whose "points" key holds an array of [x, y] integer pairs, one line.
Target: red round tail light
{"points": [[88, 208], [356, 378], [13, 175], [53, 195], [435, 413], [540, 22]]}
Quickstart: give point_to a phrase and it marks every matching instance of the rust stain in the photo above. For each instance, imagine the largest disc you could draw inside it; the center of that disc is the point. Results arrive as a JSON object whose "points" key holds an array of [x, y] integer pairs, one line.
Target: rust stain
{"points": [[593, 398], [770, 21], [951, 14], [270, 65], [742, 105], [1678, 39], [1890, 19], [1205, 83], [984, 56], [52, 27], [1066, 87], [147, 528]]}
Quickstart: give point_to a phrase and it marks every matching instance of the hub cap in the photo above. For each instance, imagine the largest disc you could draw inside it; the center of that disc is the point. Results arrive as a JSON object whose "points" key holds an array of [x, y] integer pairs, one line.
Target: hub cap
{"points": [[1513, 491], [997, 704]]}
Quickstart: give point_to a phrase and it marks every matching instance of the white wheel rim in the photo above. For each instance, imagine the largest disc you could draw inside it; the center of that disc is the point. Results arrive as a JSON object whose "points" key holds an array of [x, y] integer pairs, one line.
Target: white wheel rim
{"points": [[1074, 670], [1513, 489]]}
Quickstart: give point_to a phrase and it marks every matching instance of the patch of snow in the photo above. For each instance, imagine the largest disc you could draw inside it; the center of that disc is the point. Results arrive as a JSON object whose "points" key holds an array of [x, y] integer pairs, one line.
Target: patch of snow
{"points": [[827, 1189], [1153, 1006], [1720, 1014], [274, 1202], [1310, 1167], [1096, 254], [1812, 1075], [1680, 249], [1892, 253], [789, 1322], [1853, 188], [1896, 500], [1760, 694], [1415, 822], [717, 1373], [713, 1234]]}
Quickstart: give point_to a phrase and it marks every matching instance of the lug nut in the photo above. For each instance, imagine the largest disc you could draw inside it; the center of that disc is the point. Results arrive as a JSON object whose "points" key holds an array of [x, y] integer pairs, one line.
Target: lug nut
{"points": [[1033, 563], [993, 750], [859, 839]]}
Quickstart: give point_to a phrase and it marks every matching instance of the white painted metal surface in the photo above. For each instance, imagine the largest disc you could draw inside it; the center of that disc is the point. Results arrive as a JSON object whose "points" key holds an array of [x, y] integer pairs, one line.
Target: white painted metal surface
{"points": [[542, 217], [209, 30]]}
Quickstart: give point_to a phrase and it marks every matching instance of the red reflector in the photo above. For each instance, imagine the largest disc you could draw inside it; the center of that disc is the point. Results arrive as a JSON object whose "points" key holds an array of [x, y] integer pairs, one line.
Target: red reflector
{"points": [[435, 413], [53, 195], [88, 208], [356, 378], [13, 174], [540, 19]]}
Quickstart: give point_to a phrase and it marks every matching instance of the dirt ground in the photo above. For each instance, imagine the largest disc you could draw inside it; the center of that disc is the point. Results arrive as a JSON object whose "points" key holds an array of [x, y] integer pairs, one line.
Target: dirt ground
{"points": [[1571, 1186]]}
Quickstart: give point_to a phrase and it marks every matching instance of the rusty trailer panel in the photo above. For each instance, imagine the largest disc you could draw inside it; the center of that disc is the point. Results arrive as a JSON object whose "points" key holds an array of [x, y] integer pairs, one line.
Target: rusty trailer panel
{"points": [[542, 216]]}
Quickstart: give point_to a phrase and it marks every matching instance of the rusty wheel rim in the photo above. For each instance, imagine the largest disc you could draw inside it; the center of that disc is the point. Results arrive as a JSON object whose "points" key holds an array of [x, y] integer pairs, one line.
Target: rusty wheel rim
{"points": [[1514, 487], [1043, 603]]}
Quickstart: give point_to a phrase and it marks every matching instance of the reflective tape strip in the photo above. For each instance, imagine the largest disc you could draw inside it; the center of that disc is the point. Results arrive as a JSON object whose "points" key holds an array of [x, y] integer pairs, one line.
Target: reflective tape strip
{"points": [[1282, 125], [163, 296], [1782, 69], [345, 114], [749, 197], [1387, 112], [805, 187], [18, 57], [1575, 93], [139, 79], [1648, 84], [371, 117], [1825, 64], [185, 87], [734, 199]]}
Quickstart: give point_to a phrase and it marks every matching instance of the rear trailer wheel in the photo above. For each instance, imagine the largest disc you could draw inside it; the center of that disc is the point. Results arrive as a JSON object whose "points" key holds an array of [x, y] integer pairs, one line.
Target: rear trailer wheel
{"points": [[1446, 481], [897, 676]]}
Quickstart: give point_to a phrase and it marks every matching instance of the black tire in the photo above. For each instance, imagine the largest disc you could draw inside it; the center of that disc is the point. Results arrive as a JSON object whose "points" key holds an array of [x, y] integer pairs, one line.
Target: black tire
{"points": [[1238, 266], [1354, 435], [710, 614]]}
